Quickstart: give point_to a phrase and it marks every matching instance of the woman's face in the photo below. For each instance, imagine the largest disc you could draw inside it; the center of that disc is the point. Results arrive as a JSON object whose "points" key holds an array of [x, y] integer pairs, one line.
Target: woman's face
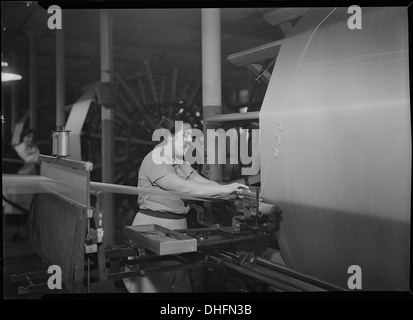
{"points": [[186, 133], [28, 140]]}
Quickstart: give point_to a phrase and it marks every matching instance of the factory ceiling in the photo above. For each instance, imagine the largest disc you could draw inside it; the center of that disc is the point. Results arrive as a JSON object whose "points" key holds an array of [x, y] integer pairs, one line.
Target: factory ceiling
{"points": [[164, 36]]}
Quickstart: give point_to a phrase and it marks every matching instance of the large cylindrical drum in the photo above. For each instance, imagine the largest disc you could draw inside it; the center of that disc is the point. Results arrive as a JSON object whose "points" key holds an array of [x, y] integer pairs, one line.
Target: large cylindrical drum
{"points": [[336, 147]]}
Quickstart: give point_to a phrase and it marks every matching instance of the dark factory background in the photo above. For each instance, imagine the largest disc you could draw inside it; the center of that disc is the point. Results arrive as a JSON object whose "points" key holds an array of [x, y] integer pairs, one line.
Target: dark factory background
{"points": [[165, 43]]}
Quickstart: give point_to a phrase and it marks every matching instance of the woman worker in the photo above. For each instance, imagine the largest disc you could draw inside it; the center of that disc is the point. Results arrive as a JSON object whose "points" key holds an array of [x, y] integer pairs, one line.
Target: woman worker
{"points": [[170, 212]]}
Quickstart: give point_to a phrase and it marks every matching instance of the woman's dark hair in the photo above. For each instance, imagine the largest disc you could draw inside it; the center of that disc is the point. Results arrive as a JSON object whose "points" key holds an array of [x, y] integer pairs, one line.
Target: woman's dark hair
{"points": [[26, 132], [168, 122]]}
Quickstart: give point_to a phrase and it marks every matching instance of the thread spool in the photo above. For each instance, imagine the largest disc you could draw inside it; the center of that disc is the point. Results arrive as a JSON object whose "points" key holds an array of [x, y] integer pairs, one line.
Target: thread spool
{"points": [[61, 143]]}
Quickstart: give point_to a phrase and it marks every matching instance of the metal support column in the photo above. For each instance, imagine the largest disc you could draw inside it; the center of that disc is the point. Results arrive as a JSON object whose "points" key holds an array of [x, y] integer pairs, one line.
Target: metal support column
{"points": [[106, 60], [60, 77], [14, 96], [32, 35], [211, 74]]}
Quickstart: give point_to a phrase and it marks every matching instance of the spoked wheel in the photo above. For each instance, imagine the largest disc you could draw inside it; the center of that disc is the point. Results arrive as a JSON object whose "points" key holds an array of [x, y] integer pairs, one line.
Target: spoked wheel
{"points": [[145, 96]]}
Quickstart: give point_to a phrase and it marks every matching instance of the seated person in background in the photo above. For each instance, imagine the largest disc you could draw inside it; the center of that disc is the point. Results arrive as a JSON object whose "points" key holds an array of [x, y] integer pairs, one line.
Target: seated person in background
{"points": [[170, 212], [28, 152]]}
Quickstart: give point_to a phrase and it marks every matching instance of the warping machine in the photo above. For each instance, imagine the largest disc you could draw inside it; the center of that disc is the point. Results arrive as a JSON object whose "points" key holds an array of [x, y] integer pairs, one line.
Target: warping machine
{"points": [[335, 175], [66, 227]]}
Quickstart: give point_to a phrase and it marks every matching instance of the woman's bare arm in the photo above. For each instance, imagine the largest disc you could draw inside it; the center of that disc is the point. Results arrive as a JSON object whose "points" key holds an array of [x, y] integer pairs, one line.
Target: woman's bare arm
{"points": [[201, 179], [172, 182]]}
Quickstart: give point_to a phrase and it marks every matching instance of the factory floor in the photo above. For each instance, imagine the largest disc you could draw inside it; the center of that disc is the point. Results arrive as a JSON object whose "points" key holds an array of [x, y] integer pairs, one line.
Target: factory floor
{"points": [[19, 257]]}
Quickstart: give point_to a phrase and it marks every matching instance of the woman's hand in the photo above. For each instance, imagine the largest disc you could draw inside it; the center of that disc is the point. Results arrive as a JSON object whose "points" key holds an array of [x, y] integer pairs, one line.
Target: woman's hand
{"points": [[237, 188]]}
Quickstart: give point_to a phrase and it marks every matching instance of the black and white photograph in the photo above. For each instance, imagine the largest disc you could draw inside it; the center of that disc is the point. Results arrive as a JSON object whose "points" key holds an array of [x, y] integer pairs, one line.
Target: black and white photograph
{"points": [[187, 150]]}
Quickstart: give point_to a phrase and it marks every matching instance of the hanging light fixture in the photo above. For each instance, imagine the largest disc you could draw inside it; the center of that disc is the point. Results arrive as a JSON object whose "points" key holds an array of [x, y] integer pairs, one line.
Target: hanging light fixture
{"points": [[8, 73]]}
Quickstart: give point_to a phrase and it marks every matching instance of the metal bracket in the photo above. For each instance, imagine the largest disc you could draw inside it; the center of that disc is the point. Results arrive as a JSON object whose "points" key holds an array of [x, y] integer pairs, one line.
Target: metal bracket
{"points": [[91, 242], [142, 257], [142, 261], [246, 257]]}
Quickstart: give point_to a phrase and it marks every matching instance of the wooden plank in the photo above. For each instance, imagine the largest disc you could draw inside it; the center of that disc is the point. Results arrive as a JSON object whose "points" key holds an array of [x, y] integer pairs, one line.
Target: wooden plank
{"points": [[155, 238], [256, 54]]}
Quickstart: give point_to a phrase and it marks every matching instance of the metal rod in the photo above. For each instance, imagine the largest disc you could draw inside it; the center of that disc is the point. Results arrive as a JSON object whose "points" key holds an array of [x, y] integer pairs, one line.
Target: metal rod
{"points": [[292, 278], [247, 116], [252, 274], [298, 275], [290, 281]]}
